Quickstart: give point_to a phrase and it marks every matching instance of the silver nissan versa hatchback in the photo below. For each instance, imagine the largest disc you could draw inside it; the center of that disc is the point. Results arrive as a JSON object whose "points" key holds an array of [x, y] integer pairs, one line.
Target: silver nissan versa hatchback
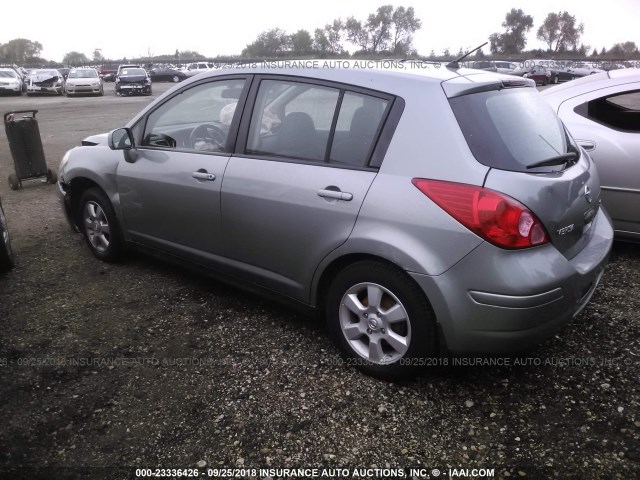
{"points": [[422, 210]]}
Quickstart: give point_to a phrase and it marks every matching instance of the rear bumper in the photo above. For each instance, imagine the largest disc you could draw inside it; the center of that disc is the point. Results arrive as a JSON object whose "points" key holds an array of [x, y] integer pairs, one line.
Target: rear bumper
{"points": [[499, 301], [133, 89]]}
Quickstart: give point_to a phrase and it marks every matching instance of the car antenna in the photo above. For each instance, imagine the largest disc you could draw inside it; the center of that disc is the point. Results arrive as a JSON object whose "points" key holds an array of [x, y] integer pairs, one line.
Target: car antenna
{"points": [[455, 64]]}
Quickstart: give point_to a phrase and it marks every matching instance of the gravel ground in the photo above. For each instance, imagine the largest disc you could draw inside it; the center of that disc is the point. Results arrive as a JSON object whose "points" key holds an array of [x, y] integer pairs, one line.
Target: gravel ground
{"points": [[147, 365]]}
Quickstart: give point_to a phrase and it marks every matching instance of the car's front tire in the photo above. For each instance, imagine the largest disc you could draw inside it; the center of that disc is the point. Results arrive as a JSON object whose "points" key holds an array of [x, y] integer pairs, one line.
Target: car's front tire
{"points": [[381, 320], [99, 225]]}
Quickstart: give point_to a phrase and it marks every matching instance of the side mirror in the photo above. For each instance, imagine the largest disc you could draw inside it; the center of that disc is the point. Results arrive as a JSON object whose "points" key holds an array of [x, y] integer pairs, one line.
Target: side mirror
{"points": [[122, 139]]}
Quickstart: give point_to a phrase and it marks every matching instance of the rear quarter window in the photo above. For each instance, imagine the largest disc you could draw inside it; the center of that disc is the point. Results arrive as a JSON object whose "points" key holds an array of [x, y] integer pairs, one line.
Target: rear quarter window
{"points": [[619, 112]]}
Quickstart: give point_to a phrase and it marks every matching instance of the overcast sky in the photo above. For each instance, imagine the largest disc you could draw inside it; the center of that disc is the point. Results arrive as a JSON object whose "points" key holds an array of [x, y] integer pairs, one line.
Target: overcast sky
{"points": [[136, 28]]}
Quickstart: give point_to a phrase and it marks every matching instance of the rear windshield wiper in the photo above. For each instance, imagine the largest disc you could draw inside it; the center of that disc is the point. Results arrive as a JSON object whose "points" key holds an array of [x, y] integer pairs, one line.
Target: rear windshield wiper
{"points": [[557, 160]]}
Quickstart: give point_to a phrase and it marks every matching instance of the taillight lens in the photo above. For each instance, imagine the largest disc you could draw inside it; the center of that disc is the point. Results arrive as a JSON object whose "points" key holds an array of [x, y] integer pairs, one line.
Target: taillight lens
{"points": [[492, 215]]}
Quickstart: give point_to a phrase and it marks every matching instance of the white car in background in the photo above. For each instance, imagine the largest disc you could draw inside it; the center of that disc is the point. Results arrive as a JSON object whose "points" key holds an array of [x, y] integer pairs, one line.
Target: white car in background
{"points": [[46, 80], [84, 80], [602, 112], [505, 67], [10, 81], [583, 69], [195, 68]]}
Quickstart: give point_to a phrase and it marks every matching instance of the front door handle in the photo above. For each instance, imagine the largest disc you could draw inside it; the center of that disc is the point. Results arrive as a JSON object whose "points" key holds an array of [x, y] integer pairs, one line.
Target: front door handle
{"points": [[204, 176], [335, 194]]}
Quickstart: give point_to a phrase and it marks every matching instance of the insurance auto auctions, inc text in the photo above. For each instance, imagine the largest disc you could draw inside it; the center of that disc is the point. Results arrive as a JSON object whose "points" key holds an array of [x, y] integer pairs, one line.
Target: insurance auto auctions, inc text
{"points": [[357, 472]]}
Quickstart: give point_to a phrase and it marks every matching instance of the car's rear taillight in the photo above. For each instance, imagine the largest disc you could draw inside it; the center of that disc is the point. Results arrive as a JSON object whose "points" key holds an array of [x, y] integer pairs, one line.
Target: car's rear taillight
{"points": [[492, 215]]}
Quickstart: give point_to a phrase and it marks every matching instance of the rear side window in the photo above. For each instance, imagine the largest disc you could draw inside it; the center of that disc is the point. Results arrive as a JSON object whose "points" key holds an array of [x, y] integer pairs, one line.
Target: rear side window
{"points": [[620, 112], [315, 123], [510, 129], [292, 120]]}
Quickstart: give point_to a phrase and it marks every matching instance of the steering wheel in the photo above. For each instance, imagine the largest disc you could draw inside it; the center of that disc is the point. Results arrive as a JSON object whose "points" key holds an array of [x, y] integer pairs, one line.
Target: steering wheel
{"points": [[208, 137]]}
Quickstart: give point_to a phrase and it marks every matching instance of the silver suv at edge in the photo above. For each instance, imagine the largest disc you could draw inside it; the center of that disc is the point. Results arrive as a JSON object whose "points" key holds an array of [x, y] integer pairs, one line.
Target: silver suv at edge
{"points": [[421, 210]]}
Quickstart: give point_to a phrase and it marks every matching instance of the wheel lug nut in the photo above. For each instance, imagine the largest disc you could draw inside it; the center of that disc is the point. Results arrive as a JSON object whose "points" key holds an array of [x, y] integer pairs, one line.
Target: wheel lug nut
{"points": [[366, 315], [382, 331], [369, 331]]}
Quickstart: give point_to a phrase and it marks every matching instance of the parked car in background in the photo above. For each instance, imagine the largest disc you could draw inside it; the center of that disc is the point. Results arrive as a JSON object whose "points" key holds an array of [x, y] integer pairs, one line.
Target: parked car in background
{"points": [[602, 112], [11, 81], [560, 74], [539, 74], [321, 186], [133, 81], [482, 65], [584, 69], [505, 67], [105, 70], [84, 81], [45, 81], [64, 71], [192, 69], [525, 66], [166, 74], [6, 252], [126, 66]]}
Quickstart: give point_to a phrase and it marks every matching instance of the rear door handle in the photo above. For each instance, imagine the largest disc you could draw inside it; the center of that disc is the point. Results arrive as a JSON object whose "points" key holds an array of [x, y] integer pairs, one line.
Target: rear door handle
{"points": [[335, 194], [204, 176]]}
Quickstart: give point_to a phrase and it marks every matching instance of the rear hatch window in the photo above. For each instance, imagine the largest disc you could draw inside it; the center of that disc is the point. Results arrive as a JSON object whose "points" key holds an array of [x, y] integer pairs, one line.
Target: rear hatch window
{"points": [[512, 129]]}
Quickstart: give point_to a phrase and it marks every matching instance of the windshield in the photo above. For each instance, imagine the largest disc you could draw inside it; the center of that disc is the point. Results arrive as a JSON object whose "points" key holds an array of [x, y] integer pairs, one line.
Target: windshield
{"points": [[511, 129], [8, 74], [133, 71], [83, 74], [42, 73]]}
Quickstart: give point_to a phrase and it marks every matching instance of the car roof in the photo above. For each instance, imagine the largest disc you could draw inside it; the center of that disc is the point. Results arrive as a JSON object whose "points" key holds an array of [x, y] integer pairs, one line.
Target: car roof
{"points": [[556, 95], [374, 74]]}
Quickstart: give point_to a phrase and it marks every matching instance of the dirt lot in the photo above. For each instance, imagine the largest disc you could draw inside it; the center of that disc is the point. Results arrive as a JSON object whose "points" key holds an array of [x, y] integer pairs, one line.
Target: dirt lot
{"points": [[146, 365]]}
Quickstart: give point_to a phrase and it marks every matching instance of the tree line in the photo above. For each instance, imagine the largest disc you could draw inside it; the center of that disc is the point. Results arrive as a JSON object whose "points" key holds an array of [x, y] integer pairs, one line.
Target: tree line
{"points": [[560, 31], [387, 32]]}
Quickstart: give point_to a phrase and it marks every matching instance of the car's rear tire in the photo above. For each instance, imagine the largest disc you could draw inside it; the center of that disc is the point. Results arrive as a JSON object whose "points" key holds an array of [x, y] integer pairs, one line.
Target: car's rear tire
{"points": [[381, 320], [6, 252], [99, 225]]}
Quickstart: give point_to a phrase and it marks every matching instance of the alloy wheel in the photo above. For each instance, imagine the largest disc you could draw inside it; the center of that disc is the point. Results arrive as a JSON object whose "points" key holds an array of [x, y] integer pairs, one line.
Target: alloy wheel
{"points": [[375, 323], [96, 226]]}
